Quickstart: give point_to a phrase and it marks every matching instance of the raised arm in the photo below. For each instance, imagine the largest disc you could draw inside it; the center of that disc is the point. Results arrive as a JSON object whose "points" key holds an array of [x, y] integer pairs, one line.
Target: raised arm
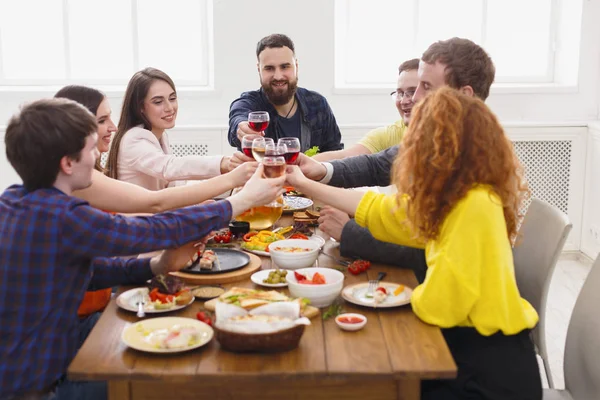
{"points": [[141, 151], [238, 113], [112, 195], [364, 170], [354, 150]]}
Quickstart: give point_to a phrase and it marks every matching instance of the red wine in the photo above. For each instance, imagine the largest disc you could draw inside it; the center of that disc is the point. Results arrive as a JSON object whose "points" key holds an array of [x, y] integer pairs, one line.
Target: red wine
{"points": [[248, 152], [274, 171], [291, 156], [258, 126]]}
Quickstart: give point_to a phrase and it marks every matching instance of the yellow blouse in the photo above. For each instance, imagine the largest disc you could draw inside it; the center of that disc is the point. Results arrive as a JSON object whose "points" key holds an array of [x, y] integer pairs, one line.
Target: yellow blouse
{"points": [[470, 278]]}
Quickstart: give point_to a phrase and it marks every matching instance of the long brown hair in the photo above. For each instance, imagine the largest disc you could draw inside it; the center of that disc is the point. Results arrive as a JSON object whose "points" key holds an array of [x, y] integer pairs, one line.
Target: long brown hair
{"points": [[89, 97], [455, 142], [131, 111]]}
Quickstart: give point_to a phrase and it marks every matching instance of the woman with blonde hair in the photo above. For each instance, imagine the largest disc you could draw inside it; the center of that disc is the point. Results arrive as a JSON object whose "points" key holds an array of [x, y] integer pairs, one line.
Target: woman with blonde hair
{"points": [[460, 186]]}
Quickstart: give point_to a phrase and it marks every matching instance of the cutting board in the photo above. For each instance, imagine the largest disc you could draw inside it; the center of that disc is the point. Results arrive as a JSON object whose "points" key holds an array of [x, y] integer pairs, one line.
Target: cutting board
{"points": [[227, 277], [309, 311]]}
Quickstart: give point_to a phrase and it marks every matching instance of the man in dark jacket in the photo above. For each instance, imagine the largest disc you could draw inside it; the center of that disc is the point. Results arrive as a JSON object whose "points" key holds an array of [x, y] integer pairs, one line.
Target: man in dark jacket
{"points": [[293, 111]]}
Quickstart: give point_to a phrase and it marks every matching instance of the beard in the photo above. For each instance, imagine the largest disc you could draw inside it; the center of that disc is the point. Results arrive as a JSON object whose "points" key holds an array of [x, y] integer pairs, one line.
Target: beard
{"points": [[278, 97]]}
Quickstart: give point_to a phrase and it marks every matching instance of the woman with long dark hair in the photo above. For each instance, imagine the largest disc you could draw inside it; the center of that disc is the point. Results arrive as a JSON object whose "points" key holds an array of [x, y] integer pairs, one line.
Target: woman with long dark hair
{"points": [[140, 152], [460, 186]]}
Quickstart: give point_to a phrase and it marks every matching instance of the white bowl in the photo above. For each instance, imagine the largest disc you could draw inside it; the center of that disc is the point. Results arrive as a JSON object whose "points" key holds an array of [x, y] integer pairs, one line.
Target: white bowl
{"points": [[319, 295], [294, 260], [351, 327]]}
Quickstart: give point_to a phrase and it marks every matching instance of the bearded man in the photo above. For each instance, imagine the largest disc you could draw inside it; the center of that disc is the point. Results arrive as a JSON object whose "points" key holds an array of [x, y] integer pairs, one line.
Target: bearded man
{"points": [[293, 111]]}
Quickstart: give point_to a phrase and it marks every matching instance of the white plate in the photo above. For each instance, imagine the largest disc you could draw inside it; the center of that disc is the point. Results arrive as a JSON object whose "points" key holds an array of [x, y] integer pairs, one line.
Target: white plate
{"points": [[127, 300], [258, 277], [133, 335], [265, 254], [356, 294], [296, 203]]}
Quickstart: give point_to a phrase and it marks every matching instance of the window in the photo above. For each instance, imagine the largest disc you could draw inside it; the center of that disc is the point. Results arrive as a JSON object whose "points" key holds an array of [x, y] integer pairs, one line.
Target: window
{"points": [[56, 42], [373, 38]]}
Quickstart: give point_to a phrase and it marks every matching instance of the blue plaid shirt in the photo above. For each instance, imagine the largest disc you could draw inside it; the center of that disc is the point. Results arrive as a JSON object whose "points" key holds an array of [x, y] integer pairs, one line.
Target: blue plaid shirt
{"points": [[317, 119], [51, 250]]}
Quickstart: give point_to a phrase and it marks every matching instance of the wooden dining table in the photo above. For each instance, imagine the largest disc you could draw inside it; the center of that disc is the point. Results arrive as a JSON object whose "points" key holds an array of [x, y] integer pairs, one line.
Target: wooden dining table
{"points": [[387, 359]]}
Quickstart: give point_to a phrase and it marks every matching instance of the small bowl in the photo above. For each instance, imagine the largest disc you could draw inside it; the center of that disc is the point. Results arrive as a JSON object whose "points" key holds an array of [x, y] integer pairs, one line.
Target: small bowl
{"points": [[295, 260], [239, 228], [351, 327], [319, 295]]}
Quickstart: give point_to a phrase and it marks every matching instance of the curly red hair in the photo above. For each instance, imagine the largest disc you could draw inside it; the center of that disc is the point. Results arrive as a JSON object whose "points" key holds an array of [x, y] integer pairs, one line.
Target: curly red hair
{"points": [[454, 142]]}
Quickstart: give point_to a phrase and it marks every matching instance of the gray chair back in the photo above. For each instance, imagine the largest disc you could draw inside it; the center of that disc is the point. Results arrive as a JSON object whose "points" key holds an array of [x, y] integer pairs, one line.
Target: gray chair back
{"points": [[582, 348], [541, 239]]}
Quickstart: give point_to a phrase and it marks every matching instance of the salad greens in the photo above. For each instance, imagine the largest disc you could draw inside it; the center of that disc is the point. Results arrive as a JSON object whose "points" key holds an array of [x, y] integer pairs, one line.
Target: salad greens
{"points": [[313, 151]]}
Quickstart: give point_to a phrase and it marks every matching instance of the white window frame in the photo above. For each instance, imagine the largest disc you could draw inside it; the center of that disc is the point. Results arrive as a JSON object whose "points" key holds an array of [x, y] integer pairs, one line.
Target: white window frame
{"points": [[207, 49], [522, 84]]}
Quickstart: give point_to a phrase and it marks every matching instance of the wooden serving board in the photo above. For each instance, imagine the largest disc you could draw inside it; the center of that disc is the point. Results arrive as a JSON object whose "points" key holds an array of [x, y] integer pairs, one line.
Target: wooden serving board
{"points": [[309, 311], [227, 277]]}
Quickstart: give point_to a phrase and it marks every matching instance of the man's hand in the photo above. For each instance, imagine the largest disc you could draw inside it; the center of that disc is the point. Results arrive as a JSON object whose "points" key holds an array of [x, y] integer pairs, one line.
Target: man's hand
{"points": [[238, 159], [175, 259], [310, 168], [241, 174], [244, 129], [332, 222]]}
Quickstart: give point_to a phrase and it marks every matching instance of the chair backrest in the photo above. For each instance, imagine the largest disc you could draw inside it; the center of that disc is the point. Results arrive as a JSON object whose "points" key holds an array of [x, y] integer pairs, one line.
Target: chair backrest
{"points": [[541, 239], [582, 348]]}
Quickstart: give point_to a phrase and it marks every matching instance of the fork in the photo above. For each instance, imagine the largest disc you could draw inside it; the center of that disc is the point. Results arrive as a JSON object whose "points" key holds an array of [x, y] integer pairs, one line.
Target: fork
{"points": [[337, 260], [373, 283], [140, 303]]}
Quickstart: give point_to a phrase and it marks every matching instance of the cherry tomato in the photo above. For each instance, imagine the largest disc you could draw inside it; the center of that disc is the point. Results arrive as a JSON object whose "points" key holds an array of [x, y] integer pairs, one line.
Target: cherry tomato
{"points": [[381, 289], [203, 317], [354, 269]]}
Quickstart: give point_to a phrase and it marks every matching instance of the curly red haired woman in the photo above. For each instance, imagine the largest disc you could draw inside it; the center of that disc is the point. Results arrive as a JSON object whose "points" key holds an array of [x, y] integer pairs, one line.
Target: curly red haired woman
{"points": [[460, 187]]}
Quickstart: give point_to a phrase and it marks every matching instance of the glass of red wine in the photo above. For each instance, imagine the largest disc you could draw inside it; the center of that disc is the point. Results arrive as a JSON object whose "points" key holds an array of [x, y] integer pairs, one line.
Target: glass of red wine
{"points": [[259, 147], [274, 167], [247, 144], [258, 120], [273, 149], [293, 148]]}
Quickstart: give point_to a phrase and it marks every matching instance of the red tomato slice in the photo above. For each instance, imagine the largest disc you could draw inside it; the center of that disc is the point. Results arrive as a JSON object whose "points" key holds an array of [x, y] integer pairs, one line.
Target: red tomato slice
{"points": [[318, 279], [299, 277], [381, 289]]}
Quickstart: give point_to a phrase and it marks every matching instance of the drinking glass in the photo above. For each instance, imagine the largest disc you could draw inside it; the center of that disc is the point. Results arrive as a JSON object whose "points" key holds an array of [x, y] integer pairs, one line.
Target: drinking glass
{"points": [[274, 167], [293, 148], [259, 145], [258, 120], [275, 150], [247, 144]]}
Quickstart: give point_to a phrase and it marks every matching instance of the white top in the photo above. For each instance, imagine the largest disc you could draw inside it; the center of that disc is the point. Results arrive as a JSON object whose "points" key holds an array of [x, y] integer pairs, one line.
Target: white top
{"points": [[147, 162]]}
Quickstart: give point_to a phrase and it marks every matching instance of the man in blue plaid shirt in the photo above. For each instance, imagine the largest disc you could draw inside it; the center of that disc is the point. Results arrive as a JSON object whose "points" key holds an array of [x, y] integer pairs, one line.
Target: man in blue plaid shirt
{"points": [[54, 247]]}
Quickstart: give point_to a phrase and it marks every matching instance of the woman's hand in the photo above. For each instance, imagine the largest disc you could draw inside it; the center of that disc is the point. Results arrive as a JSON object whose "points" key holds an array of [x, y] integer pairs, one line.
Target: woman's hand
{"points": [[239, 158], [294, 176], [241, 174], [257, 191]]}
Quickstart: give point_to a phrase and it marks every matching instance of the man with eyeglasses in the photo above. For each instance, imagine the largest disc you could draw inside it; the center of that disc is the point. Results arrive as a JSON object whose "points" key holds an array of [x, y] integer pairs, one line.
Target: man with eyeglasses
{"points": [[458, 63], [385, 137]]}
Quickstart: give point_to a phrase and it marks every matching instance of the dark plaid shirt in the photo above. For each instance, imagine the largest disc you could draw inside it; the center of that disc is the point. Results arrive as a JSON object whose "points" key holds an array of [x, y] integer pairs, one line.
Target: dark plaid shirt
{"points": [[51, 249], [317, 119]]}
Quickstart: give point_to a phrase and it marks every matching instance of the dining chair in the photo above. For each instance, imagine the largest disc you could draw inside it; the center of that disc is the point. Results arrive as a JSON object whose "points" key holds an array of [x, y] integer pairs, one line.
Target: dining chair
{"points": [[541, 239], [581, 362]]}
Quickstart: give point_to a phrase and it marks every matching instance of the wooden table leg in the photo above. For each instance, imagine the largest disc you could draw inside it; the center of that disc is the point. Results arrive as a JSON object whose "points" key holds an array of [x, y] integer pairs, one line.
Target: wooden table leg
{"points": [[119, 390], [409, 389]]}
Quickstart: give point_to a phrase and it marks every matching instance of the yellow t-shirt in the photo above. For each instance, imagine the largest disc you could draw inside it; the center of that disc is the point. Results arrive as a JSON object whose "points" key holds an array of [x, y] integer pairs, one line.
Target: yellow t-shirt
{"points": [[383, 138], [470, 277]]}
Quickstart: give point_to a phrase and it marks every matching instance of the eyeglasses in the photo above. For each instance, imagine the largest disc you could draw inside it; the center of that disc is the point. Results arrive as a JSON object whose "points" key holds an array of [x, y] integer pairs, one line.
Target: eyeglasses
{"points": [[400, 95]]}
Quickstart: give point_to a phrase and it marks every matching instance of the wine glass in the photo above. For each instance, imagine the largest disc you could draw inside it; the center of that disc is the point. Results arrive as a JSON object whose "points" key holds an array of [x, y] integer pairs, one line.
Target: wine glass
{"points": [[258, 120], [247, 144], [275, 150], [293, 148], [259, 145], [274, 167]]}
